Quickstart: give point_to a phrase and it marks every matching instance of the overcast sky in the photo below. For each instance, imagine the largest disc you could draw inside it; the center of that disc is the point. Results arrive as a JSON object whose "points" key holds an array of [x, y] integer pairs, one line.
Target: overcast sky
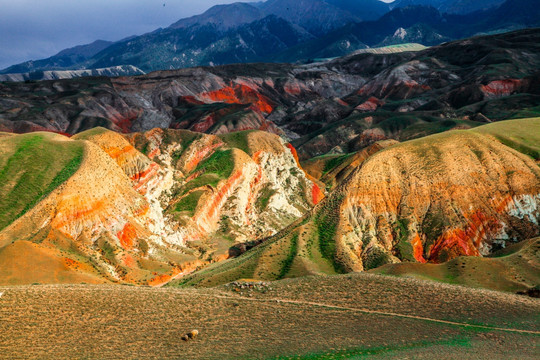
{"points": [[36, 29]]}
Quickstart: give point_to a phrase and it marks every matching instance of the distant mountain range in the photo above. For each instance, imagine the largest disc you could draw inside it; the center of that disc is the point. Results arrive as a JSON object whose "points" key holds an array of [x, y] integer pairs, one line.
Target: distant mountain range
{"points": [[451, 6], [113, 71], [292, 31]]}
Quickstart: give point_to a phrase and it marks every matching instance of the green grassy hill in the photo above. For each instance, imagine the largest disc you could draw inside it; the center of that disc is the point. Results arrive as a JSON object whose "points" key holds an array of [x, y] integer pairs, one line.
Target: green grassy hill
{"points": [[522, 135], [515, 269], [31, 167]]}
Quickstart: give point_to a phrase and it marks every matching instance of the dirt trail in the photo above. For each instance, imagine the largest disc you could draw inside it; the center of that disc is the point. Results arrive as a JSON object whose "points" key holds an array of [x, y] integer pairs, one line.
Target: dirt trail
{"points": [[376, 312]]}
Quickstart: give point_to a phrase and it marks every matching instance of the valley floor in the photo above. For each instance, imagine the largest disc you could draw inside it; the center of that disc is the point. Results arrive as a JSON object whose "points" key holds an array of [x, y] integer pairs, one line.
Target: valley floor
{"points": [[338, 317]]}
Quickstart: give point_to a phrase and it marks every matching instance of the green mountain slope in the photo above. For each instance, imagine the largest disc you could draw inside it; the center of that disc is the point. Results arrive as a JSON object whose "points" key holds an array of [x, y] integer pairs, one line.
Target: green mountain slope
{"points": [[32, 166]]}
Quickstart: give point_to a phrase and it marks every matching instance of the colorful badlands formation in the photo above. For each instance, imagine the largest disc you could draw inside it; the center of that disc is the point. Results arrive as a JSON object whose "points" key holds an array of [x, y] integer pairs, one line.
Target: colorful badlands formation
{"points": [[147, 208]]}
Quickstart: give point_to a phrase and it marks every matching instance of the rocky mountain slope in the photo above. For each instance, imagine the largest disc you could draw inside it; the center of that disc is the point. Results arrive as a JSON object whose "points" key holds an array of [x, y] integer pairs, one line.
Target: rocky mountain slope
{"points": [[291, 31], [316, 16], [465, 192], [174, 48], [215, 36], [223, 17], [451, 6], [423, 24], [130, 194], [365, 9], [337, 107], [65, 59], [109, 212]]}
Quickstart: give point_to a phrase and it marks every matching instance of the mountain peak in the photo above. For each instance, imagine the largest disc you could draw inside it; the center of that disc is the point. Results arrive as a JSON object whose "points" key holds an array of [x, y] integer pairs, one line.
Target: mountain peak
{"points": [[224, 17]]}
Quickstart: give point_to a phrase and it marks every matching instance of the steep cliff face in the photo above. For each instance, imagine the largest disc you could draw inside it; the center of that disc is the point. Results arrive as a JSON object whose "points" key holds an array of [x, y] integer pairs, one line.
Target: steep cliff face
{"points": [[431, 200], [146, 216]]}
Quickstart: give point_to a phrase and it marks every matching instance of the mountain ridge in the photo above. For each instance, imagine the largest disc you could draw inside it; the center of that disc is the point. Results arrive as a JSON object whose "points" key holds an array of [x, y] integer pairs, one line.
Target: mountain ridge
{"points": [[224, 17], [328, 32]]}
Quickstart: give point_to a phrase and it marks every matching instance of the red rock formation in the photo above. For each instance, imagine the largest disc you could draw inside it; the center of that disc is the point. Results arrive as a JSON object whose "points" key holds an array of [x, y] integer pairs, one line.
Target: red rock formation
{"points": [[209, 215], [123, 121], [190, 99], [370, 104], [142, 178], [316, 193], [205, 123], [434, 199], [199, 155], [418, 249], [293, 151], [115, 209], [127, 236], [500, 88], [292, 88], [240, 94]]}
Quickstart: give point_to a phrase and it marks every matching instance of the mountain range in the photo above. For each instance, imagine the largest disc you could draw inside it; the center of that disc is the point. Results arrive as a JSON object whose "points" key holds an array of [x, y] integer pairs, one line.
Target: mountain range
{"points": [[291, 31], [307, 179], [384, 156], [453, 6], [318, 106]]}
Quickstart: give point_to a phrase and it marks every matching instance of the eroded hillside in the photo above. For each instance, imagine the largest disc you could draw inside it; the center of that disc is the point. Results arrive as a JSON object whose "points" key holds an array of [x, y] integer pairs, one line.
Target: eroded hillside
{"points": [[118, 190], [513, 269], [337, 106], [431, 200], [141, 208]]}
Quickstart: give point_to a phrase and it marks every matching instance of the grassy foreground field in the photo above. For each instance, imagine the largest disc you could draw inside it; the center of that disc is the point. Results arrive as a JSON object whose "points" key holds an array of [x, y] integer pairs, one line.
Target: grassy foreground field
{"points": [[331, 317]]}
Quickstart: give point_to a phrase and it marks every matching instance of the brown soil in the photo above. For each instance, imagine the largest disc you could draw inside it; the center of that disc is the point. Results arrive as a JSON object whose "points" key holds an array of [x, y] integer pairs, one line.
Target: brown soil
{"points": [[347, 316]]}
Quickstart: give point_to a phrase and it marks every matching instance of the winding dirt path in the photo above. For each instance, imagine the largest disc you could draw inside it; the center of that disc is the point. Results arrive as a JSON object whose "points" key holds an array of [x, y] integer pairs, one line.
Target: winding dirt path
{"points": [[376, 312]]}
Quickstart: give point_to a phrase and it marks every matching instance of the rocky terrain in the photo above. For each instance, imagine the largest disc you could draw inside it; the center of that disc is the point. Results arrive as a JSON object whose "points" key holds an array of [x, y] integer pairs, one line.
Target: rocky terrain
{"points": [[384, 203], [115, 71], [460, 193], [452, 6], [149, 178], [338, 106], [65, 59], [114, 213]]}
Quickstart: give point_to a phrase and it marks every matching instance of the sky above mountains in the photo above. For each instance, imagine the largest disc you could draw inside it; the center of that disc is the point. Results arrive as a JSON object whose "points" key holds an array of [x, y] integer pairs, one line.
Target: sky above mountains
{"points": [[36, 29]]}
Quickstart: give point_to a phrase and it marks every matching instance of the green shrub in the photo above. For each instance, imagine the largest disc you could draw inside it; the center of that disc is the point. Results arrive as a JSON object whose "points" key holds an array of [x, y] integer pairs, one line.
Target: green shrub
{"points": [[335, 162], [189, 203], [220, 163], [287, 263]]}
